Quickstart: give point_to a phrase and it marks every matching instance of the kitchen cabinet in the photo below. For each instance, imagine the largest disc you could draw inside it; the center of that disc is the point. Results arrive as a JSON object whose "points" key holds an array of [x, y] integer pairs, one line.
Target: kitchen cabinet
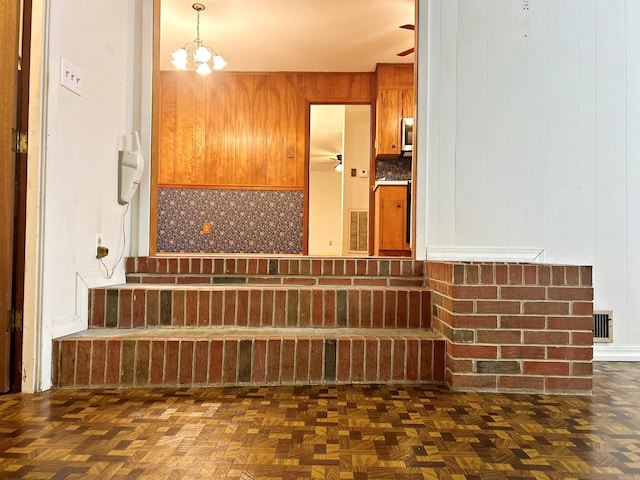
{"points": [[392, 208], [394, 102]]}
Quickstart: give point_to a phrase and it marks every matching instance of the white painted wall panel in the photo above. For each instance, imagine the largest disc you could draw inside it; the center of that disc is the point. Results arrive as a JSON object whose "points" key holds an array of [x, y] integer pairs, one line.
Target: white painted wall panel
{"points": [[567, 100]]}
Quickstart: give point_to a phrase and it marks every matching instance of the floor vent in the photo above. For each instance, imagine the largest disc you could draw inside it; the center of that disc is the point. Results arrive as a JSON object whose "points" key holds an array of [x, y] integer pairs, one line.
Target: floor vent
{"points": [[603, 326], [358, 231]]}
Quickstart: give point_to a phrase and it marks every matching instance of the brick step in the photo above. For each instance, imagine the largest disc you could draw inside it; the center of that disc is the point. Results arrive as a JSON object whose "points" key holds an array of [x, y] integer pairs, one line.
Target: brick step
{"points": [[203, 357], [153, 306], [141, 269]]}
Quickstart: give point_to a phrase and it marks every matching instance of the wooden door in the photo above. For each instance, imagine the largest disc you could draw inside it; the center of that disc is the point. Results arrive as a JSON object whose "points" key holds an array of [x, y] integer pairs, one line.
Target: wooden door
{"points": [[8, 60]]}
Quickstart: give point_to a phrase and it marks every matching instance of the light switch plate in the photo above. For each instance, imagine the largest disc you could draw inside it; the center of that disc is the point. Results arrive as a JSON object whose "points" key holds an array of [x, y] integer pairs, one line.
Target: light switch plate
{"points": [[71, 77]]}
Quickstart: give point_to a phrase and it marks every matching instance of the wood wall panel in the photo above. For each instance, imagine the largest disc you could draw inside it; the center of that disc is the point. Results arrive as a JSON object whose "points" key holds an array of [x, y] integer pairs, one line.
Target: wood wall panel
{"points": [[244, 129]]}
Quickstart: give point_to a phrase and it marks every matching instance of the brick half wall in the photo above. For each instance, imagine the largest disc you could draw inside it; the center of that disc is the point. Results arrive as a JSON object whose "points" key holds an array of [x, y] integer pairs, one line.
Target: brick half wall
{"points": [[514, 327]]}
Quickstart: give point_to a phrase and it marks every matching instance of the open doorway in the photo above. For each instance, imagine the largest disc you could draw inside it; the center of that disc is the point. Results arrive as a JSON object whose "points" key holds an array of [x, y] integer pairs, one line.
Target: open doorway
{"points": [[339, 160]]}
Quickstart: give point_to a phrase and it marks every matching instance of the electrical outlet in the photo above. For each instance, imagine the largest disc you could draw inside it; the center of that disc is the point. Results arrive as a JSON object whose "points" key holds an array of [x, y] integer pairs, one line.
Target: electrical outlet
{"points": [[98, 239], [71, 77], [363, 173], [206, 228]]}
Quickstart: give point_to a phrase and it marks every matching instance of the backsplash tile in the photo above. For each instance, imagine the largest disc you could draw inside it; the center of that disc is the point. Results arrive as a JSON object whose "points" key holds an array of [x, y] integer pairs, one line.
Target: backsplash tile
{"points": [[242, 221], [398, 168]]}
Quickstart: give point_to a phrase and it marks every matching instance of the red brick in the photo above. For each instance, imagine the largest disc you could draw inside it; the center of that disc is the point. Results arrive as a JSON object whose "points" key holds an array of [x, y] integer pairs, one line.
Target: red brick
{"points": [[241, 266], [230, 265], [98, 362], [177, 318], [201, 362], [458, 275], [171, 360], [530, 275], [426, 360], [255, 308], [475, 321], [519, 382], [515, 274], [252, 266], [523, 293], [191, 316], [582, 308], [499, 307], [545, 368], [302, 360], [415, 309], [522, 322], [475, 292], [139, 303], [486, 274], [229, 307], [499, 336], [288, 360], [195, 265], [581, 338], [112, 374], [378, 309], [242, 308], [264, 281], [357, 359], [570, 353], [97, 312], [542, 337], [461, 350], [586, 276], [402, 315], [83, 362], [570, 293], [464, 306], [544, 275], [300, 281], [370, 282], [425, 309], [564, 384], [129, 265], [390, 302], [572, 275], [413, 360], [344, 360], [460, 366], [304, 310], [384, 364], [546, 308], [216, 351], [338, 267], [152, 265], [142, 363], [305, 267], [371, 360], [273, 360], [316, 360], [522, 351], [327, 267], [172, 265], [316, 314], [124, 309], [230, 361], [557, 275], [482, 382], [329, 308], [570, 323], [185, 376], [471, 274], [316, 267], [267, 318], [502, 275], [399, 360], [213, 265], [183, 265], [217, 312], [156, 368], [582, 369]]}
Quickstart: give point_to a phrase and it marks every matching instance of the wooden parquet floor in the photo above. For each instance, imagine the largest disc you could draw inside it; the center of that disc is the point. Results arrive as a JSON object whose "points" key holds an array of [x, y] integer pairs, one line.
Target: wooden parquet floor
{"points": [[333, 432]]}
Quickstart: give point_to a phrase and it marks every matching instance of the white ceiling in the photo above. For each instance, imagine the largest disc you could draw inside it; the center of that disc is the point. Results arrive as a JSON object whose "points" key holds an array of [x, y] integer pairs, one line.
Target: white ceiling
{"points": [[292, 35]]}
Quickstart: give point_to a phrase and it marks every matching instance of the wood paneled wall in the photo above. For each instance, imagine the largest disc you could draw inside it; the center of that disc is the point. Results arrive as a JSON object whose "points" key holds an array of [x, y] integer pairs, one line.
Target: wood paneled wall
{"points": [[244, 130]]}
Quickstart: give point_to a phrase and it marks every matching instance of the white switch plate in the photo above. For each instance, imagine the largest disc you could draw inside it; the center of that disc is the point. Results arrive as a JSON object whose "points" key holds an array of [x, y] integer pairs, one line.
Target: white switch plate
{"points": [[363, 173], [71, 77]]}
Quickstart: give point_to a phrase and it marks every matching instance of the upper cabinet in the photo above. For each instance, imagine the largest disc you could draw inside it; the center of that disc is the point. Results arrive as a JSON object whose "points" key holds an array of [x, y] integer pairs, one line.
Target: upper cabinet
{"points": [[394, 101]]}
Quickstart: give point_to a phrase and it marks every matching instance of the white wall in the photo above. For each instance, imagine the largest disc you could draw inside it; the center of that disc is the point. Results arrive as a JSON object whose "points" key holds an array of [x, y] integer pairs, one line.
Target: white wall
{"points": [[325, 212], [78, 158], [533, 141]]}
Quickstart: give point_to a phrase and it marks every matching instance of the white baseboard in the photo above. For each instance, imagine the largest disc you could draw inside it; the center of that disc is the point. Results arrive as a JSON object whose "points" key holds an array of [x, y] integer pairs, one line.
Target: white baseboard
{"points": [[610, 353], [486, 254], [80, 320]]}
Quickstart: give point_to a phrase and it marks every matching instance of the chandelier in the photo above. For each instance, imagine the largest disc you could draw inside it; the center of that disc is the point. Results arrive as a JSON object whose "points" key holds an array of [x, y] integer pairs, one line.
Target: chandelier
{"points": [[197, 52]]}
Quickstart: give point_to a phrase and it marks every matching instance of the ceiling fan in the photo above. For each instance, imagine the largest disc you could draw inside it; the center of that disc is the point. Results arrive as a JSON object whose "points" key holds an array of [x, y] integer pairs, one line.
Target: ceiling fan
{"points": [[407, 26]]}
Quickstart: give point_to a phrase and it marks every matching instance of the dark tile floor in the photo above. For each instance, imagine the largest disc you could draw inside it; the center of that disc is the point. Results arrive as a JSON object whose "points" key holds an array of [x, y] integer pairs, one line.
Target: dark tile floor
{"points": [[359, 433]]}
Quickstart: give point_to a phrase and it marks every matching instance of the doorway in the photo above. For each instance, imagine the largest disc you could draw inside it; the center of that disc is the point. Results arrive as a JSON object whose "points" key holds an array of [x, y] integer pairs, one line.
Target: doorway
{"points": [[339, 162]]}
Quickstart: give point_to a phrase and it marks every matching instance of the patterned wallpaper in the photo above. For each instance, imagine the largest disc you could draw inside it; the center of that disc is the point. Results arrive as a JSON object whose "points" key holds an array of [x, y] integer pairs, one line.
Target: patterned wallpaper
{"points": [[242, 221], [398, 168]]}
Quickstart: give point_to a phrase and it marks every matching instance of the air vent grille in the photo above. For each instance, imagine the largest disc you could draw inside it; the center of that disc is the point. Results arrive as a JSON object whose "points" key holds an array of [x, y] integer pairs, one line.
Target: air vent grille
{"points": [[603, 326], [358, 231]]}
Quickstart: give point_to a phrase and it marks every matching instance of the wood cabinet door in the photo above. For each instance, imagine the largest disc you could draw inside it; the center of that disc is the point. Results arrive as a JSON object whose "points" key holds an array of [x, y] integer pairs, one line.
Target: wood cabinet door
{"points": [[393, 226], [407, 103], [388, 125]]}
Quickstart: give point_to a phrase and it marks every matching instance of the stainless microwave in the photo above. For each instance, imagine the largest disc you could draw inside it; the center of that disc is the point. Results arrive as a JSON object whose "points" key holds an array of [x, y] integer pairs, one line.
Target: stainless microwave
{"points": [[406, 145]]}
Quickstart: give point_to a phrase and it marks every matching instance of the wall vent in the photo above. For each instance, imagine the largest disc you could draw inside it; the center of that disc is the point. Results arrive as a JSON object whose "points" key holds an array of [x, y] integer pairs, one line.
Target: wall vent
{"points": [[603, 326], [358, 231]]}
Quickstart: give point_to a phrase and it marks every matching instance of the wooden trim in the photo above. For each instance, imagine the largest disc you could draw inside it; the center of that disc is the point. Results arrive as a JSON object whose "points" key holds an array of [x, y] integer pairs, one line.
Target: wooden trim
{"points": [[307, 166], [231, 187], [155, 131]]}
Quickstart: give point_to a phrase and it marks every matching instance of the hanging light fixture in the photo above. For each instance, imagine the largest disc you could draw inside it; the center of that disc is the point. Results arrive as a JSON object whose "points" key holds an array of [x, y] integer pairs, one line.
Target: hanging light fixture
{"points": [[339, 166], [197, 52]]}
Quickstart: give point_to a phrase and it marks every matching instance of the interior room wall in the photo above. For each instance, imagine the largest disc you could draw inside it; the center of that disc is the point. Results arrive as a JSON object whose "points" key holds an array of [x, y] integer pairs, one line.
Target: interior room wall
{"points": [[79, 157], [532, 141], [325, 204], [357, 154]]}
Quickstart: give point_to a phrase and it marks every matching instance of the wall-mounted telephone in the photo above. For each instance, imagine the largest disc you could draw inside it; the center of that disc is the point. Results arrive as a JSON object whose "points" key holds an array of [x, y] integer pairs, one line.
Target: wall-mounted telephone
{"points": [[130, 168]]}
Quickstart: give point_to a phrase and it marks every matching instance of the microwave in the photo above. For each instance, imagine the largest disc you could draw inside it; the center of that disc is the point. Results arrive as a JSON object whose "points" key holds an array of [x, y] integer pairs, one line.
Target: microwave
{"points": [[406, 144]]}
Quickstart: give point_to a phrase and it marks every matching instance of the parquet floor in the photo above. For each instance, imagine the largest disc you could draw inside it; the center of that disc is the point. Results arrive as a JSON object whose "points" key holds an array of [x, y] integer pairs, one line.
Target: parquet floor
{"points": [[355, 433]]}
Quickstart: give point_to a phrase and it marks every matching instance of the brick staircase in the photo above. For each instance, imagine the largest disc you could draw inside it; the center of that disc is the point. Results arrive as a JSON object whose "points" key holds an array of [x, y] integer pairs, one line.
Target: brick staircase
{"points": [[197, 321]]}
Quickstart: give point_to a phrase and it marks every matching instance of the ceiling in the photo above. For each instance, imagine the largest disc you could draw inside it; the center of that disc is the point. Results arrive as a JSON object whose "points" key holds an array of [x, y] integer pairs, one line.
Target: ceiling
{"points": [[292, 35]]}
